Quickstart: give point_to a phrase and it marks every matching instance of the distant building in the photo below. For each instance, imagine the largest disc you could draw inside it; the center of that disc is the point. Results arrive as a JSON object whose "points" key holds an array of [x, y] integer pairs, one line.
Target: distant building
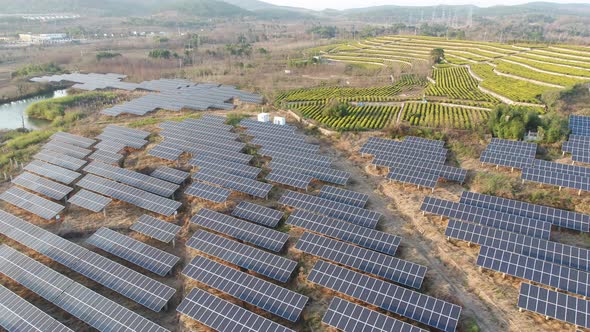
{"points": [[44, 38]]}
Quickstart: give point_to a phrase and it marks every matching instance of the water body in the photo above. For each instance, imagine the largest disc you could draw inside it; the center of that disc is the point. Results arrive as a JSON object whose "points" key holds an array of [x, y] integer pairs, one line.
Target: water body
{"points": [[11, 114]]}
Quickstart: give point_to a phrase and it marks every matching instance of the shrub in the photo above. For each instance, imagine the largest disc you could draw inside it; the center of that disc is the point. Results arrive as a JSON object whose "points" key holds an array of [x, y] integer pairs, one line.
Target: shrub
{"points": [[160, 53], [50, 109], [106, 55], [34, 70]]}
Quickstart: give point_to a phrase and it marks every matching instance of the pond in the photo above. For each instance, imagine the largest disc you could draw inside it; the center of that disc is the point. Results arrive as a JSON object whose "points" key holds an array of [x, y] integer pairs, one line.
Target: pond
{"points": [[11, 114]]}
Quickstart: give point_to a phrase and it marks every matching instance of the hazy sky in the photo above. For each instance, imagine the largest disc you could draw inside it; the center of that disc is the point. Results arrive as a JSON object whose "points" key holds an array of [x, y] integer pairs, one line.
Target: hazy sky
{"points": [[344, 4]]}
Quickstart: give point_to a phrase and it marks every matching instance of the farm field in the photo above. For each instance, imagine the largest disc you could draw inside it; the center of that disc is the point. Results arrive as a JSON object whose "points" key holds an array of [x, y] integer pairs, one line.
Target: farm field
{"points": [[439, 116]]}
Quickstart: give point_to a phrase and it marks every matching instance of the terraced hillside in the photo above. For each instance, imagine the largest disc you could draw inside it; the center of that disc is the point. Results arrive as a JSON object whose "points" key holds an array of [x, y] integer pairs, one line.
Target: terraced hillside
{"points": [[489, 72]]}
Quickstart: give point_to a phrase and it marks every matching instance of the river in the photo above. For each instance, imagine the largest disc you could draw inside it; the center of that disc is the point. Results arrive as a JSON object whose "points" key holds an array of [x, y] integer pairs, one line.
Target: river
{"points": [[11, 114]]}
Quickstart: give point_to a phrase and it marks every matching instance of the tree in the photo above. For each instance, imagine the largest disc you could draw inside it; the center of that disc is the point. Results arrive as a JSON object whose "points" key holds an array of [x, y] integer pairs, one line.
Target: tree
{"points": [[335, 109], [160, 53], [437, 55]]}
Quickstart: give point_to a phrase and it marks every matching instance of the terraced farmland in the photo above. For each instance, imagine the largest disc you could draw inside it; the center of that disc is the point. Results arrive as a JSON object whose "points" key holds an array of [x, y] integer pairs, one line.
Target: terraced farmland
{"points": [[359, 118], [440, 116], [456, 83]]}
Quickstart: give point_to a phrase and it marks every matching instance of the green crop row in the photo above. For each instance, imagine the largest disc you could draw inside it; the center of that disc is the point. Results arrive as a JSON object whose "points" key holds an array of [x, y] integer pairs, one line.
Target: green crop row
{"points": [[357, 118], [440, 116], [553, 68], [514, 89], [457, 83], [513, 69]]}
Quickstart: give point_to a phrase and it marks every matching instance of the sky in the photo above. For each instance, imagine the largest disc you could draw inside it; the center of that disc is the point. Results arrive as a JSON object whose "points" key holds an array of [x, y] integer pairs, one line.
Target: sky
{"points": [[345, 4]]}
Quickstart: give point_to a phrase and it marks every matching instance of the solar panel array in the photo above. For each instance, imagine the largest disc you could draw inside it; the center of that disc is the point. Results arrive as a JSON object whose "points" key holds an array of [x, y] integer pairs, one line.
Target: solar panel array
{"points": [[341, 230], [156, 228], [67, 149], [554, 304], [53, 172], [216, 164], [286, 153], [562, 175], [233, 182], [60, 159], [136, 252], [486, 217], [419, 307], [381, 265], [122, 138], [296, 146], [145, 291], [222, 315], [579, 149], [81, 302], [106, 157], [16, 314], [89, 200], [325, 174], [208, 192], [291, 179], [258, 214], [125, 193], [567, 255], [536, 270], [414, 160], [42, 186], [136, 133], [171, 175], [514, 154], [34, 204], [243, 286], [580, 125], [166, 151], [132, 178], [352, 214], [76, 140], [242, 230], [110, 146], [244, 256], [557, 217], [350, 317], [344, 196]]}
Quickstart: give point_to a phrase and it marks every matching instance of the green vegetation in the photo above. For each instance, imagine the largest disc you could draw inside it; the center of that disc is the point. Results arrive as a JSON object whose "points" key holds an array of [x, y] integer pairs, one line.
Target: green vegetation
{"points": [[106, 55], [37, 70], [494, 184], [355, 118], [241, 48], [456, 83], [323, 31], [160, 53], [513, 122], [51, 109], [509, 68], [440, 116], [233, 119], [335, 109], [437, 55], [516, 90]]}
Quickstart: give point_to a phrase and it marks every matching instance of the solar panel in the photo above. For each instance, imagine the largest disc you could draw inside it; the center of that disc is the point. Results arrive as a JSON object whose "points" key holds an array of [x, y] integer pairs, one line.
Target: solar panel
{"points": [[582, 158], [61, 160], [67, 149], [258, 214], [34, 204], [141, 134], [378, 147], [242, 230], [262, 294], [285, 153], [138, 197], [224, 316], [392, 160], [136, 252], [292, 179], [110, 146], [165, 151], [106, 157], [451, 173], [42, 186], [414, 176], [558, 217], [510, 149], [317, 172], [244, 256], [543, 272], [522, 148], [156, 228], [132, 178], [16, 314], [344, 196], [486, 217], [330, 208], [233, 182], [273, 144], [349, 317], [425, 141], [136, 143], [419, 307], [207, 162], [554, 252], [208, 192], [508, 160], [275, 135], [556, 178], [89, 200], [208, 150], [170, 174], [554, 304], [341, 230], [562, 168], [76, 140], [52, 172], [83, 303], [381, 265], [215, 139]]}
